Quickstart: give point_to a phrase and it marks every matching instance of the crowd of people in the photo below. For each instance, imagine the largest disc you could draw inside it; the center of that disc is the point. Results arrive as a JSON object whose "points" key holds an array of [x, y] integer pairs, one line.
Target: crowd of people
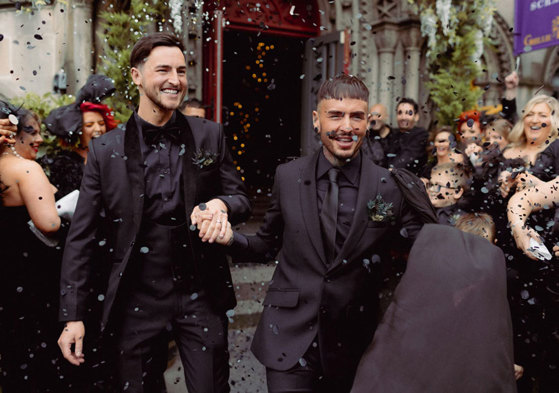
{"points": [[130, 269], [481, 166]]}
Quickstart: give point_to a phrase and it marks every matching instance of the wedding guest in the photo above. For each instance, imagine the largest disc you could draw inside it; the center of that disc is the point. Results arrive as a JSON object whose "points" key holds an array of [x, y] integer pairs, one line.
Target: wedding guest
{"points": [[497, 134], [443, 150], [76, 125], [480, 224], [469, 128], [381, 141], [448, 328], [28, 272], [411, 145], [541, 365], [193, 107], [533, 142], [331, 216], [534, 139], [447, 185]]}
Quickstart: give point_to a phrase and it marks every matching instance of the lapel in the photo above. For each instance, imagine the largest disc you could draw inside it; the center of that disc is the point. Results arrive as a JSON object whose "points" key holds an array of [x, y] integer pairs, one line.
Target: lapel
{"points": [[189, 170], [135, 169], [309, 205], [368, 188]]}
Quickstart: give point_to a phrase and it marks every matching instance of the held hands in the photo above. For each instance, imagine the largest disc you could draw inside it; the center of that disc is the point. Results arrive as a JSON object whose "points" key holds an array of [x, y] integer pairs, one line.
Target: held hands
{"points": [[7, 132], [72, 333], [211, 220]]}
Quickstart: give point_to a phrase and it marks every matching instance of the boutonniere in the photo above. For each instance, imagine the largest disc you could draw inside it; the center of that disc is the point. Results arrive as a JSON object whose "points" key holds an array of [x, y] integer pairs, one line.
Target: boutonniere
{"points": [[203, 158], [379, 210]]}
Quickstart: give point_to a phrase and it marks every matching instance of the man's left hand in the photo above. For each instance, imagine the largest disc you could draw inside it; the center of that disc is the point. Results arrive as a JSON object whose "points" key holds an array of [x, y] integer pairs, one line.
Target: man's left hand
{"points": [[211, 220]]}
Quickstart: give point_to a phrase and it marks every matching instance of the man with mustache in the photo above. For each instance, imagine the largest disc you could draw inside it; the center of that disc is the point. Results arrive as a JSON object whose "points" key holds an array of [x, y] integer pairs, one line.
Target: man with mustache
{"points": [[410, 152], [149, 179], [330, 216]]}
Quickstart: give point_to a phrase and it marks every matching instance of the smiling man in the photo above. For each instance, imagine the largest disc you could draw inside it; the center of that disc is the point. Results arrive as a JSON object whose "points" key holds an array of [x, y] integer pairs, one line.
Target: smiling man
{"points": [[151, 180], [330, 217], [411, 141]]}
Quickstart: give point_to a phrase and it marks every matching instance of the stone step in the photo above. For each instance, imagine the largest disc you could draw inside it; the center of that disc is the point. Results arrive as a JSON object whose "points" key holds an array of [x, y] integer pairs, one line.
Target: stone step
{"points": [[250, 282]]}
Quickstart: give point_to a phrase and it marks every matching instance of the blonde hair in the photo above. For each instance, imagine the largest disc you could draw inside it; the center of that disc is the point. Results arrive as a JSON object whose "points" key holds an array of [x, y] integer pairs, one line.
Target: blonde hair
{"points": [[480, 224], [502, 126], [517, 136]]}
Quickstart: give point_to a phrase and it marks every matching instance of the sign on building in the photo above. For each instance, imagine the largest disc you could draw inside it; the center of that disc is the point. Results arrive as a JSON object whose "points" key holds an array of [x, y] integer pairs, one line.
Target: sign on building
{"points": [[536, 25]]}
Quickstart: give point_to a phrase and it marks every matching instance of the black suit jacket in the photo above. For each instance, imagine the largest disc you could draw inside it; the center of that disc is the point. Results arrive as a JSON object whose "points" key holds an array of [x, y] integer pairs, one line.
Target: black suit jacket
{"points": [[411, 149], [113, 186], [307, 295]]}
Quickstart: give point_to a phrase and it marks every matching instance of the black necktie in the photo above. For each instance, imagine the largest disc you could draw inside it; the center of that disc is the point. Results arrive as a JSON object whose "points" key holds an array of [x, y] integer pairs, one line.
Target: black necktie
{"points": [[154, 135], [329, 215]]}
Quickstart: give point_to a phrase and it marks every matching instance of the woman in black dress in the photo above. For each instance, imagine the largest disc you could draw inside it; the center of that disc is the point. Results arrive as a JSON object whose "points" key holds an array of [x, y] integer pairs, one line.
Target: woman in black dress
{"points": [[29, 272], [533, 152]]}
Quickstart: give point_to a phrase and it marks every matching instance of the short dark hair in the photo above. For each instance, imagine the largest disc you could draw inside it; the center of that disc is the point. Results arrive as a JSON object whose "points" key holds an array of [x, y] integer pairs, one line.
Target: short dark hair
{"points": [[191, 103], [343, 86], [145, 45], [410, 101]]}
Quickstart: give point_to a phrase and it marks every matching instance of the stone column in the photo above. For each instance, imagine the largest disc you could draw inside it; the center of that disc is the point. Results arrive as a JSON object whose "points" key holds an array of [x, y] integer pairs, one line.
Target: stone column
{"points": [[386, 38], [78, 63], [411, 38]]}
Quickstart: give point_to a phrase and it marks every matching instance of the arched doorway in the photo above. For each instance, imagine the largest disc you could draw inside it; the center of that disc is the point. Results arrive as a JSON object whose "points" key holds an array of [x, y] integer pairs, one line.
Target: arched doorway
{"points": [[254, 56]]}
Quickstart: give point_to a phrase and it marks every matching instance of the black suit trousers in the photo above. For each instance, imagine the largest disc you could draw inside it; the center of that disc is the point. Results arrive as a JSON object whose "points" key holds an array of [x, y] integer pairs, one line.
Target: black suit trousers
{"points": [[142, 338], [307, 376], [161, 294]]}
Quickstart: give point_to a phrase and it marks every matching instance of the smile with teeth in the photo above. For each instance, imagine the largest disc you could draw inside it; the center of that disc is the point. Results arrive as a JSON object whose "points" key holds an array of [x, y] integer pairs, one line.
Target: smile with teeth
{"points": [[535, 128], [170, 91], [343, 138]]}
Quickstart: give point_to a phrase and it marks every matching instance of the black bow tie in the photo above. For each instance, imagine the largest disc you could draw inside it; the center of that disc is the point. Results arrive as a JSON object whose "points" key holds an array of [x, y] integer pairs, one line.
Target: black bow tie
{"points": [[154, 135]]}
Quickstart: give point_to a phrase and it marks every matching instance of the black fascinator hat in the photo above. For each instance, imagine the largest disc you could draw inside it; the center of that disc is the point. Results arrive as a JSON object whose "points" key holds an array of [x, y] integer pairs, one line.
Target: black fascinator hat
{"points": [[17, 115], [66, 121]]}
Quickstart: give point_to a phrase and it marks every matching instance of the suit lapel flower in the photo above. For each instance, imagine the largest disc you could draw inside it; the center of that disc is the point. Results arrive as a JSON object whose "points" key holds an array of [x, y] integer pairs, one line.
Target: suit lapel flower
{"points": [[379, 211], [203, 158]]}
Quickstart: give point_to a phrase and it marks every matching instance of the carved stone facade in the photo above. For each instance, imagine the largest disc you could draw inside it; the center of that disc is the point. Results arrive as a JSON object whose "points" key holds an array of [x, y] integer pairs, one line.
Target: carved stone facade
{"points": [[387, 49], [37, 45]]}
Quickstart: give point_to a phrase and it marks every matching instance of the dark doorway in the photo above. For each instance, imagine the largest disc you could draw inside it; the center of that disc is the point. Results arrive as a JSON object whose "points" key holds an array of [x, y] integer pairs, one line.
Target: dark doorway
{"points": [[261, 102]]}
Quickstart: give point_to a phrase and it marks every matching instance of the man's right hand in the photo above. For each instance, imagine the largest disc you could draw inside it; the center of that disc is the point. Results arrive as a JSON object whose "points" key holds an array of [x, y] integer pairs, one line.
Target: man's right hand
{"points": [[72, 333]]}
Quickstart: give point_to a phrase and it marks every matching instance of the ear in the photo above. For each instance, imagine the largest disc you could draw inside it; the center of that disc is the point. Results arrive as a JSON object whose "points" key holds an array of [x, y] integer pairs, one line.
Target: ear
{"points": [[315, 121], [136, 76], [458, 193], [416, 117]]}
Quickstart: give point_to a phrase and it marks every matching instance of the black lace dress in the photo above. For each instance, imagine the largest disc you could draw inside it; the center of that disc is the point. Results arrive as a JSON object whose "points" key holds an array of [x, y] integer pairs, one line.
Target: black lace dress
{"points": [[65, 171], [29, 328]]}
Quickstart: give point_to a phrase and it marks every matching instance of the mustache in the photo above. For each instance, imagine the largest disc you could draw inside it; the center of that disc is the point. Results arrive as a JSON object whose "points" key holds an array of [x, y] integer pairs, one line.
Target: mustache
{"points": [[334, 135]]}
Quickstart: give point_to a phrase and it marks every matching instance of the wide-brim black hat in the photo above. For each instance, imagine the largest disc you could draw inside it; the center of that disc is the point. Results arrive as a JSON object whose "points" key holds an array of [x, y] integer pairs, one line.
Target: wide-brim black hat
{"points": [[66, 121]]}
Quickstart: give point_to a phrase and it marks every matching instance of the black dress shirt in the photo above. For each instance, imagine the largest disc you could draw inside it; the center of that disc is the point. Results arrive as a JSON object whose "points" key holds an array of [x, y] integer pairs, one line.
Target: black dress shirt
{"points": [[348, 185], [162, 160]]}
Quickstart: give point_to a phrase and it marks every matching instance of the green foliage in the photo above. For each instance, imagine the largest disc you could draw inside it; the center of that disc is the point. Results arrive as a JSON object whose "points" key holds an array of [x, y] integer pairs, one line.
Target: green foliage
{"points": [[454, 31], [451, 81], [121, 29], [42, 105]]}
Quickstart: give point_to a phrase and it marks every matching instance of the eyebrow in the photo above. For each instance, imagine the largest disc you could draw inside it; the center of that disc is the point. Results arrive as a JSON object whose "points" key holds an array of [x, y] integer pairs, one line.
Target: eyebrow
{"points": [[335, 112]]}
